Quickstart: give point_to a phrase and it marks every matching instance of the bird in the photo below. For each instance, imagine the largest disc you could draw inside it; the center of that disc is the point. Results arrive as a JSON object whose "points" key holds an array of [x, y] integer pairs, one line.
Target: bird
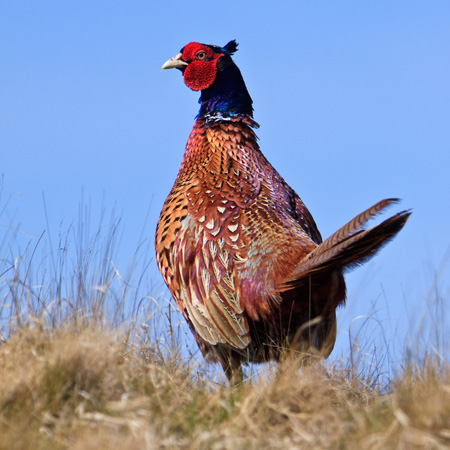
{"points": [[238, 249]]}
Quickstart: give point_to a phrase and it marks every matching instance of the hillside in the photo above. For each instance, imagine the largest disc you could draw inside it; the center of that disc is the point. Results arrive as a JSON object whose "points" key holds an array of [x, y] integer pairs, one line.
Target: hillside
{"points": [[87, 388]]}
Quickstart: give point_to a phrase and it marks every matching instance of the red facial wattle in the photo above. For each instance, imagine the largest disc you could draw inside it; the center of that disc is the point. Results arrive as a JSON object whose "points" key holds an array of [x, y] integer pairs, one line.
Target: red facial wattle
{"points": [[202, 69]]}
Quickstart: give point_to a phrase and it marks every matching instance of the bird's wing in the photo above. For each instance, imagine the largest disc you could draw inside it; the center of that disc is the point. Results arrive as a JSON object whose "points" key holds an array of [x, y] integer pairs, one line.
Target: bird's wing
{"points": [[207, 286]]}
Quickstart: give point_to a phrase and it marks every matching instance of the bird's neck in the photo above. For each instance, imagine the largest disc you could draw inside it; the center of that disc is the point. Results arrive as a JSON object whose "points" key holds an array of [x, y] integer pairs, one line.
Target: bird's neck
{"points": [[227, 97]]}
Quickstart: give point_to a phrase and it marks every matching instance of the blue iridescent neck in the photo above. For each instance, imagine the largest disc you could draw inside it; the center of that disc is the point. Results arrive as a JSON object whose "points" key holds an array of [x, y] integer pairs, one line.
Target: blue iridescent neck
{"points": [[226, 97]]}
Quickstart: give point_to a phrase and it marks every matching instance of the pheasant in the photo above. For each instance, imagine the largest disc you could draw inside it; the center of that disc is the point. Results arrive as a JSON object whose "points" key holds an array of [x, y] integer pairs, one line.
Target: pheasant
{"points": [[238, 249]]}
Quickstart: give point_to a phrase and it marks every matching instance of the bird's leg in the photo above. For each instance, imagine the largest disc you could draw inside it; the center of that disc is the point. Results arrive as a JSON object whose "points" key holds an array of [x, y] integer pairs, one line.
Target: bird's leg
{"points": [[235, 374], [232, 368]]}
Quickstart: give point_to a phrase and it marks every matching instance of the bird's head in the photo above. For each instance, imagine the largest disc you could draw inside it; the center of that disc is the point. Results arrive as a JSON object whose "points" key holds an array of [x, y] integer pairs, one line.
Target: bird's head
{"points": [[200, 63], [211, 70]]}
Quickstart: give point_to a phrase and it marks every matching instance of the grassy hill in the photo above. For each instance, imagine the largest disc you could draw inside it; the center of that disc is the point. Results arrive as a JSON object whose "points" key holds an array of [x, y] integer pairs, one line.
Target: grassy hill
{"points": [[88, 388]]}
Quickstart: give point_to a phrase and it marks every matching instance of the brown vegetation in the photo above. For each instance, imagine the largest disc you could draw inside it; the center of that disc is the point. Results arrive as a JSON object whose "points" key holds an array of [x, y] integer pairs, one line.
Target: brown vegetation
{"points": [[88, 389]]}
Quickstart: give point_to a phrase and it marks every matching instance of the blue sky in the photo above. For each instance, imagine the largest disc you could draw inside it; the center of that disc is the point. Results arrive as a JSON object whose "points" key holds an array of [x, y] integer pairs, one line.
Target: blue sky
{"points": [[353, 99]]}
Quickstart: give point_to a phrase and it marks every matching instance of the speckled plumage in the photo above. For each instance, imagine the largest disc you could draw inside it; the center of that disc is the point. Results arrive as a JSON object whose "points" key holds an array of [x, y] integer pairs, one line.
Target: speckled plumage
{"points": [[238, 249]]}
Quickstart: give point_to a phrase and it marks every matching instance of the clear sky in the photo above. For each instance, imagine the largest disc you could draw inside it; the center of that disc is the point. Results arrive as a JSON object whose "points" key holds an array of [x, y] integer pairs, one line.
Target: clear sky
{"points": [[353, 99]]}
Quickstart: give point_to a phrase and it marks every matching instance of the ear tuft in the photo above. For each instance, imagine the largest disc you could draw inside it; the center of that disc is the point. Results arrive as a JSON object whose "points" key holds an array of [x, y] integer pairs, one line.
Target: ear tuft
{"points": [[231, 47]]}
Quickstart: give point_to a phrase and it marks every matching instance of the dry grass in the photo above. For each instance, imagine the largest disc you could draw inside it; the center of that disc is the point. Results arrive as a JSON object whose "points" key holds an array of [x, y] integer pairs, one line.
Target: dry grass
{"points": [[87, 389], [78, 371]]}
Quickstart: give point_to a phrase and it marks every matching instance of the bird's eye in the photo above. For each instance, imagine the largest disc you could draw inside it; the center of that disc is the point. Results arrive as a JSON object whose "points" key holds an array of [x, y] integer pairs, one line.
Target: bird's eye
{"points": [[201, 55]]}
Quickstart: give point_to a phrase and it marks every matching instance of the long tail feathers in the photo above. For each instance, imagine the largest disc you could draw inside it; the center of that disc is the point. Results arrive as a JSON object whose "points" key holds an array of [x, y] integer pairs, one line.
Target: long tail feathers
{"points": [[356, 224], [351, 245]]}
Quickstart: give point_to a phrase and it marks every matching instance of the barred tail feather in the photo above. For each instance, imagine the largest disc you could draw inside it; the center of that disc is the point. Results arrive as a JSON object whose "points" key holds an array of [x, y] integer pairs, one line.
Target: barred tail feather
{"points": [[355, 225], [349, 246]]}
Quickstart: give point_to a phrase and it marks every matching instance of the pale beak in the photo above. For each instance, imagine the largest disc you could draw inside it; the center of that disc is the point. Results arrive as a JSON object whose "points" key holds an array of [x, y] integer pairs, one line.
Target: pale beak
{"points": [[175, 63]]}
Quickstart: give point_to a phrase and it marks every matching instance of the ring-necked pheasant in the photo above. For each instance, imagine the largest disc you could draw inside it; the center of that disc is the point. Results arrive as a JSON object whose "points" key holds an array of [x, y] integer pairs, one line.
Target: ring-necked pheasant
{"points": [[238, 249]]}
